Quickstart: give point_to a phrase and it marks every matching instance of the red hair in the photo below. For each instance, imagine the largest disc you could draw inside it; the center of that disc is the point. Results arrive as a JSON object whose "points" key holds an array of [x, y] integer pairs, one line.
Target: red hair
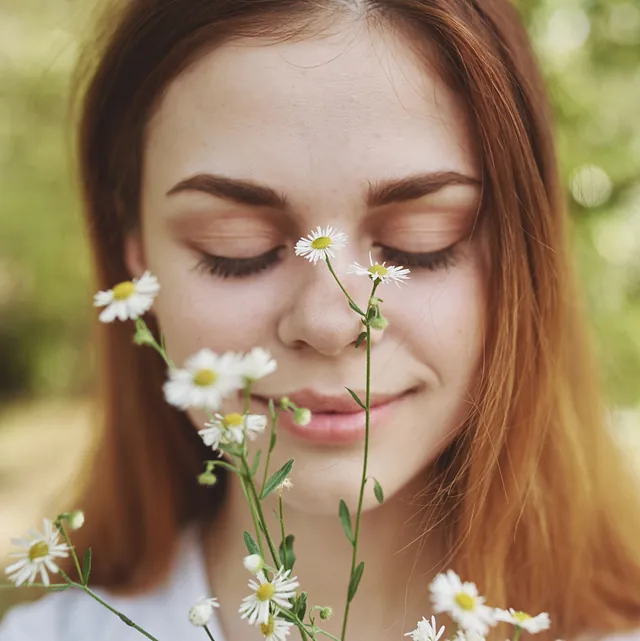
{"points": [[543, 512]]}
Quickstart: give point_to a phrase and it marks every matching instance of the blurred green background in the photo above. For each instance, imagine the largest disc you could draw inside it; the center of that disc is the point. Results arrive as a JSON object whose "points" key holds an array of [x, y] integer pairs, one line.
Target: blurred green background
{"points": [[590, 53]]}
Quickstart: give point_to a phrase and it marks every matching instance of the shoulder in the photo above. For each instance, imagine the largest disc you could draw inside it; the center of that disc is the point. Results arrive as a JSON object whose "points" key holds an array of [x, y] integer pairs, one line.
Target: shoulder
{"points": [[75, 616]]}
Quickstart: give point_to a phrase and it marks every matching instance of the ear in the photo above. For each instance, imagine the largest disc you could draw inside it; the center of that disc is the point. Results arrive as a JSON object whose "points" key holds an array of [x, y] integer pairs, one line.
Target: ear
{"points": [[134, 254]]}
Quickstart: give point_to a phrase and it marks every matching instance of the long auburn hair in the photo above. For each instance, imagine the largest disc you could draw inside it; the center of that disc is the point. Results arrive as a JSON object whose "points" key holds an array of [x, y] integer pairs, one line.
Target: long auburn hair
{"points": [[543, 509]]}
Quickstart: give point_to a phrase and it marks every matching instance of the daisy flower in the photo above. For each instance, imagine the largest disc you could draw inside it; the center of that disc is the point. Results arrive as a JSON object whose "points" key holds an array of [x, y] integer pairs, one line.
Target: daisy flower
{"points": [[462, 602], [530, 624], [37, 555], [231, 428], [381, 272], [205, 380], [320, 244], [426, 631], [275, 629], [201, 612], [256, 606], [257, 364], [129, 299]]}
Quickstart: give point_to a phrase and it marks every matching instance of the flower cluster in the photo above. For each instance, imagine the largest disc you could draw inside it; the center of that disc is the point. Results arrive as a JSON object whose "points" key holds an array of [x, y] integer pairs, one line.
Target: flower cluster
{"points": [[269, 596], [461, 601]]}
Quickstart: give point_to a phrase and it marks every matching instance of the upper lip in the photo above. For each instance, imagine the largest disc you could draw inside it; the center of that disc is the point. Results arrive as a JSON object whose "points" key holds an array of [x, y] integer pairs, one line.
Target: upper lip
{"points": [[333, 403]]}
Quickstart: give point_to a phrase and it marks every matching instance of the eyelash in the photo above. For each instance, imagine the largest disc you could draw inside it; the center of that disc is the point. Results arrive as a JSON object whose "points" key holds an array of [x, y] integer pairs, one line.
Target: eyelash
{"points": [[244, 267]]}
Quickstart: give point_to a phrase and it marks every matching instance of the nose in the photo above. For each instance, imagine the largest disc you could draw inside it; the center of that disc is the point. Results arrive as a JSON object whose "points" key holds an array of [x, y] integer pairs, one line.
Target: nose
{"points": [[319, 316]]}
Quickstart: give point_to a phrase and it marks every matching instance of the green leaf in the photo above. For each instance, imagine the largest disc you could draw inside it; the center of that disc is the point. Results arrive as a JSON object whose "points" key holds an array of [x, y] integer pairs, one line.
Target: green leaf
{"points": [[356, 399], [300, 606], [286, 553], [377, 490], [361, 339], [86, 566], [372, 313], [355, 581], [355, 308], [256, 463], [250, 543], [345, 519], [272, 409], [272, 441], [276, 479]]}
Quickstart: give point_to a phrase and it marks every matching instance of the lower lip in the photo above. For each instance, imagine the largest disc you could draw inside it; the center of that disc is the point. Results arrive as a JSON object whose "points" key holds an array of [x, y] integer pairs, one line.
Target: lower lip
{"points": [[340, 429]]}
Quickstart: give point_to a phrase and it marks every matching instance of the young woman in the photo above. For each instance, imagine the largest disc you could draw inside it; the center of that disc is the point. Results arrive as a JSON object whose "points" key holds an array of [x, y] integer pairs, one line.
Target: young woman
{"points": [[216, 133]]}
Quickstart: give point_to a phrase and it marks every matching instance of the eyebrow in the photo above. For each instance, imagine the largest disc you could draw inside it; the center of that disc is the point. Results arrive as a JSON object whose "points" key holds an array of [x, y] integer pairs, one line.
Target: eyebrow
{"points": [[380, 193]]}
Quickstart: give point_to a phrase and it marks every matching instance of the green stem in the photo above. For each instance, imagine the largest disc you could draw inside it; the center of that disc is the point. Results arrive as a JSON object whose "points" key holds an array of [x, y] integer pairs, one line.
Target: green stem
{"points": [[247, 398], [517, 633], [254, 516], [286, 567], [206, 629], [62, 529], [124, 618], [363, 481], [344, 291], [274, 420], [12, 586], [258, 506]]}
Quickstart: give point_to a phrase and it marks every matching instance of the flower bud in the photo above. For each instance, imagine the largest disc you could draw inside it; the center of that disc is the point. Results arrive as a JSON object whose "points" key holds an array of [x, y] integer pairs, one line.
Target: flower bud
{"points": [[325, 613], [201, 612], [379, 322], [207, 478], [302, 416], [143, 336], [254, 563], [76, 519], [285, 402]]}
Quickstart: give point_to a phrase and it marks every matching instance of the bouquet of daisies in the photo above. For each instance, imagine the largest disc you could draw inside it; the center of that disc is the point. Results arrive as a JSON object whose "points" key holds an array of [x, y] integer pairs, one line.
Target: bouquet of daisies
{"points": [[275, 601]]}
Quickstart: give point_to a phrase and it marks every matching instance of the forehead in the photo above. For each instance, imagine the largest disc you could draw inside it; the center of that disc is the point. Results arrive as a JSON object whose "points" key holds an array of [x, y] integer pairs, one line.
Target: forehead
{"points": [[343, 109]]}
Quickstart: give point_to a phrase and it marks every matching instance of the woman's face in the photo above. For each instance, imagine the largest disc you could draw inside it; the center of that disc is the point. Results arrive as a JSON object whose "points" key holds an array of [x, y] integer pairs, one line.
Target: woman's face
{"points": [[347, 131]]}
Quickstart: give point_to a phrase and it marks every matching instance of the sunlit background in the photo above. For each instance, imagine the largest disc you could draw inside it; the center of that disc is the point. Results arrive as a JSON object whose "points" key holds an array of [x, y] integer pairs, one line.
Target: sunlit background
{"points": [[590, 52]]}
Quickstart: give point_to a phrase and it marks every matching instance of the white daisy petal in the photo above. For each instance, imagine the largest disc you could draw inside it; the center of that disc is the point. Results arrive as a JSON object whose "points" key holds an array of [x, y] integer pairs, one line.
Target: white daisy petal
{"points": [[462, 602], [37, 556], [205, 380], [380, 271], [201, 612], [320, 244], [276, 629], [529, 623], [257, 364], [256, 606], [426, 631]]}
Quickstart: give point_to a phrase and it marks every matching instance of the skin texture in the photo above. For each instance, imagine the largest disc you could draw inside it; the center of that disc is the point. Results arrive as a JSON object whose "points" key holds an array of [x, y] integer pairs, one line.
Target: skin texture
{"points": [[318, 121]]}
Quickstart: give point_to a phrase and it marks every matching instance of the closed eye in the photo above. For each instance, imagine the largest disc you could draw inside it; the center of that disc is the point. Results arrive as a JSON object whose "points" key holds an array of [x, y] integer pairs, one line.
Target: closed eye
{"points": [[239, 267], [441, 259]]}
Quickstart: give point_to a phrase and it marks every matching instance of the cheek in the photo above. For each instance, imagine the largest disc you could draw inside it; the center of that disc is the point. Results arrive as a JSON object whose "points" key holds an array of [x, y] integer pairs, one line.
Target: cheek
{"points": [[445, 322], [196, 310]]}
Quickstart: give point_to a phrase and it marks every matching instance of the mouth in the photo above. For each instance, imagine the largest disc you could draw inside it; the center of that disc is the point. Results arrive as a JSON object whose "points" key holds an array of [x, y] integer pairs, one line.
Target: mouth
{"points": [[338, 419]]}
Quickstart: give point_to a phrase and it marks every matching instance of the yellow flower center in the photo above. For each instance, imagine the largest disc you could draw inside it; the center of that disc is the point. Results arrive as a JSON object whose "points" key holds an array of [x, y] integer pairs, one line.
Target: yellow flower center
{"points": [[38, 551], [465, 601], [265, 592], [321, 242], [122, 291], [233, 420], [378, 270], [204, 378], [267, 628], [521, 616]]}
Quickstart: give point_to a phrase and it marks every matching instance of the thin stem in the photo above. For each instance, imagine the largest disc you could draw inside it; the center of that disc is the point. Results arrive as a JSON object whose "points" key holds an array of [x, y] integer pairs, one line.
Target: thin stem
{"points": [[12, 586], [254, 516], [62, 529], [247, 397], [516, 634], [282, 529], [258, 506], [344, 291], [124, 618], [274, 420], [363, 481], [206, 629]]}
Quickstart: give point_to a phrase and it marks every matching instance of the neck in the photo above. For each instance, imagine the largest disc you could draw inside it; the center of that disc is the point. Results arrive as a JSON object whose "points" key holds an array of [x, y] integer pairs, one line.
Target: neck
{"points": [[400, 560]]}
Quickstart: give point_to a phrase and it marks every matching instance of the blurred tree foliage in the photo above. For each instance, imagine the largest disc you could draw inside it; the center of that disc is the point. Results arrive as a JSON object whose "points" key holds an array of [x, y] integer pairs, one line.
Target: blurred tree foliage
{"points": [[590, 52]]}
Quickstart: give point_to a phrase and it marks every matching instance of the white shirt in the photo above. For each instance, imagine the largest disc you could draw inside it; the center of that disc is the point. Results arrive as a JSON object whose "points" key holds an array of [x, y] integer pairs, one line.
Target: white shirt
{"points": [[163, 612]]}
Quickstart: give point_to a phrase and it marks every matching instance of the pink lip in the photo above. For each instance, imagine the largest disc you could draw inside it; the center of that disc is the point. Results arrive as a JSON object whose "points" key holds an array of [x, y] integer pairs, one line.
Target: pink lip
{"points": [[338, 420]]}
